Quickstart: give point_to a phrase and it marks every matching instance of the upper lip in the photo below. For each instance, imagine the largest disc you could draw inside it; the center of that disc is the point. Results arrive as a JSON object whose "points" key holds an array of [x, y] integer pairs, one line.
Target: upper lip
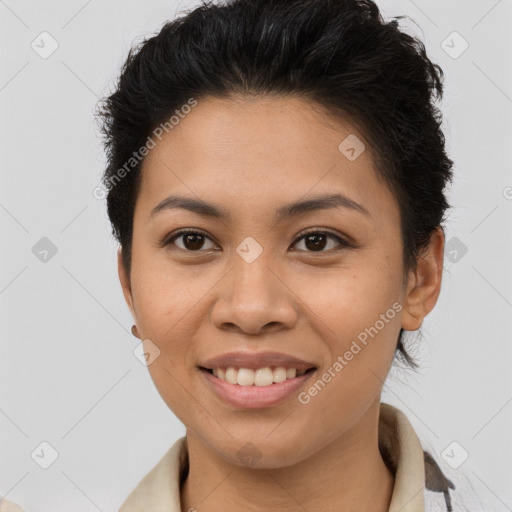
{"points": [[255, 360]]}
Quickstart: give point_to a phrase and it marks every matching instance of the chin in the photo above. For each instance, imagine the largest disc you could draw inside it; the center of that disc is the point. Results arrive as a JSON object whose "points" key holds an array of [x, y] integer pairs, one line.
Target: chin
{"points": [[260, 451]]}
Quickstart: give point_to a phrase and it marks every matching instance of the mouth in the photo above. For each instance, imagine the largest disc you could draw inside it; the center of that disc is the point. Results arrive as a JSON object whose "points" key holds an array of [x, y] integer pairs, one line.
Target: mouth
{"points": [[259, 377], [248, 388]]}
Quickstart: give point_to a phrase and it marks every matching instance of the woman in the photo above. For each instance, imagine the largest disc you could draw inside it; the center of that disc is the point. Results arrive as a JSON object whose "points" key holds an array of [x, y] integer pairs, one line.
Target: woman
{"points": [[276, 174], [275, 180]]}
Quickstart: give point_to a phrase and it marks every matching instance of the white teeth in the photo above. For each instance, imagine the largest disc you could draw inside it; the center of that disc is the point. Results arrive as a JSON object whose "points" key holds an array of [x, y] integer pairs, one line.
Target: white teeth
{"points": [[245, 377], [279, 374], [231, 375], [291, 373], [263, 377], [260, 377]]}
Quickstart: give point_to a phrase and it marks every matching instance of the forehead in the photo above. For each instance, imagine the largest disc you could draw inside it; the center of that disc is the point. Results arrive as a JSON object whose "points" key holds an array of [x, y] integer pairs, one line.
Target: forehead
{"points": [[262, 152]]}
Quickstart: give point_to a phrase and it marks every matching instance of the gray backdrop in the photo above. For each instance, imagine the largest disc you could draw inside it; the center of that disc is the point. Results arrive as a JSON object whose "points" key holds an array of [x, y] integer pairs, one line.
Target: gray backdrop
{"points": [[68, 375]]}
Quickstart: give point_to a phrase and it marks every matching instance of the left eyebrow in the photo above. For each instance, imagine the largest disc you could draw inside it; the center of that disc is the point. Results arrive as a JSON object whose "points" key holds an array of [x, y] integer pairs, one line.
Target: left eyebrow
{"points": [[284, 212], [320, 203]]}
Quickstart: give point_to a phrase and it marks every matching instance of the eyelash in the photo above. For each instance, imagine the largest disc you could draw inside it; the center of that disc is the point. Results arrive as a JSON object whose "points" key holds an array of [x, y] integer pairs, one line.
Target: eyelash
{"points": [[196, 231]]}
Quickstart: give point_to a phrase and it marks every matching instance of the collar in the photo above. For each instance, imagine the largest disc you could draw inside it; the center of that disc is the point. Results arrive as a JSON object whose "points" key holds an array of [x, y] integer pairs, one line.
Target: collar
{"points": [[159, 490], [403, 454]]}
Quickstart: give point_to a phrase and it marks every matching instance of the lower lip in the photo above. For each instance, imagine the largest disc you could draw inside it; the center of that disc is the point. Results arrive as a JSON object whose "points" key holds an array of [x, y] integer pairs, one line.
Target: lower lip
{"points": [[255, 397]]}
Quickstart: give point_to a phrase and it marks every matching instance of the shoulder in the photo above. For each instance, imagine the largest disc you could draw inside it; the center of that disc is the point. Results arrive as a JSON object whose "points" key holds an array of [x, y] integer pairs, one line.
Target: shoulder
{"points": [[9, 506], [159, 489]]}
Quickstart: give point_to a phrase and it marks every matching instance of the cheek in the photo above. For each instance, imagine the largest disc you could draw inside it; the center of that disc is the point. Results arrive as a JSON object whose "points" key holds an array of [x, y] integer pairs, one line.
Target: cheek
{"points": [[168, 297], [356, 313], [346, 301], [171, 304]]}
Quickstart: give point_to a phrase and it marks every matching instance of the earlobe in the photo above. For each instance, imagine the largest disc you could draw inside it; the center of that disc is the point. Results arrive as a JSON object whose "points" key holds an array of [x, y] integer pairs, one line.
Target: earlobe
{"points": [[424, 283]]}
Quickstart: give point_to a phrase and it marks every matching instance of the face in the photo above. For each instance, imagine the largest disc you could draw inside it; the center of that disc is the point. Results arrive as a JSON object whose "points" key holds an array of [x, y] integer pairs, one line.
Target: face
{"points": [[261, 285]]}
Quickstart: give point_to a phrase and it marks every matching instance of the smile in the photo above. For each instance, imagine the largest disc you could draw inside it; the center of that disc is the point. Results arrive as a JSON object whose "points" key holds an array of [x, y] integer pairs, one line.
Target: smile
{"points": [[259, 377], [248, 388]]}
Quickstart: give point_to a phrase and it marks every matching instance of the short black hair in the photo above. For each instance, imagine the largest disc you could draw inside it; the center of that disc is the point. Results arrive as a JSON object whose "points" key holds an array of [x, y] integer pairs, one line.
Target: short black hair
{"points": [[338, 54]]}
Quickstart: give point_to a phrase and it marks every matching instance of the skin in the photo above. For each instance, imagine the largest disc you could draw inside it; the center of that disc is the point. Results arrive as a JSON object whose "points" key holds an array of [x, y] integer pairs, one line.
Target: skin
{"points": [[252, 156]]}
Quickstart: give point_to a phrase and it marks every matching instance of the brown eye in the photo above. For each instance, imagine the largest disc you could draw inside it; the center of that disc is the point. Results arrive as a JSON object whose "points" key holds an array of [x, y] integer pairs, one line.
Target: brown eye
{"points": [[191, 241], [317, 241]]}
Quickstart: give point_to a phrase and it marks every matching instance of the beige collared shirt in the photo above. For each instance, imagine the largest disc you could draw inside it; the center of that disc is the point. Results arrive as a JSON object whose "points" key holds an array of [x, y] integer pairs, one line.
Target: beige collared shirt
{"points": [[159, 490]]}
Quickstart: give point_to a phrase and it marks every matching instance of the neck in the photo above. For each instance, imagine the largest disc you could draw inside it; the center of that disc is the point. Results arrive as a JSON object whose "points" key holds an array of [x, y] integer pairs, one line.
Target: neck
{"points": [[348, 474]]}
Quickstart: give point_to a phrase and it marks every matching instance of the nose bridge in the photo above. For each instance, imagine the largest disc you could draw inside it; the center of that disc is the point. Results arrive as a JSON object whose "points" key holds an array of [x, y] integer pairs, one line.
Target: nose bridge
{"points": [[254, 295], [254, 273]]}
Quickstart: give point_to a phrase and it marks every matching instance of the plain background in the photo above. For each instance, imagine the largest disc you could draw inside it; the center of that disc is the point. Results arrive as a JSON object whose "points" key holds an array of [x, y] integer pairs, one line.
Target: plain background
{"points": [[68, 375]]}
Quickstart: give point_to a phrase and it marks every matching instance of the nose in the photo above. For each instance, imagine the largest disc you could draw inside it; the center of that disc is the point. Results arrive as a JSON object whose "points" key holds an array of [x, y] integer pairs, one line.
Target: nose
{"points": [[254, 298]]}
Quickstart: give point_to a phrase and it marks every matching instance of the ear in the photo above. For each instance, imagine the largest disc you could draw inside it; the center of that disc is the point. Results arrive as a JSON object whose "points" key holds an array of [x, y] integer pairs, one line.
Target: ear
{"points": [[424, 283], [124, 279]]}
